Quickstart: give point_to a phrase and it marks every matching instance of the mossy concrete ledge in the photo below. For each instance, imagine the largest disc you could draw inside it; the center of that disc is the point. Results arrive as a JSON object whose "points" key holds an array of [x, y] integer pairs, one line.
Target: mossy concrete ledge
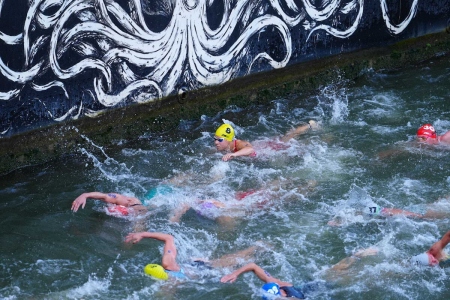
{"points": [[58, 141]]}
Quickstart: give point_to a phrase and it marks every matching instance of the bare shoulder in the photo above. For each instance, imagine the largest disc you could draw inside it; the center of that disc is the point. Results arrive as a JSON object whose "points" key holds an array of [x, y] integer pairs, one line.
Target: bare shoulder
{"points": [[242, 144], [445, 138]]}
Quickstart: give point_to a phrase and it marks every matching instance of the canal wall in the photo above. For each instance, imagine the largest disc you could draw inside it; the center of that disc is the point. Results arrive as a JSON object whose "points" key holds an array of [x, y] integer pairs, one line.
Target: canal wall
{"points": [[112, 70]]}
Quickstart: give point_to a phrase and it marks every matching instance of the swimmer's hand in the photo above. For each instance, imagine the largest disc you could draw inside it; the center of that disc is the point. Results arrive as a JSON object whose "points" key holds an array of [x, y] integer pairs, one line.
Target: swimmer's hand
{"points": [[133, 238], [228, 156], [313, 124], [80, 200], [229, 278]]}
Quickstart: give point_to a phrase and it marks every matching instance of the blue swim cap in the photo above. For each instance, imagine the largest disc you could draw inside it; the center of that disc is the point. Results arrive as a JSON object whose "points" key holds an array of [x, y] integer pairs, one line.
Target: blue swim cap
{"points": [[270, 289]]}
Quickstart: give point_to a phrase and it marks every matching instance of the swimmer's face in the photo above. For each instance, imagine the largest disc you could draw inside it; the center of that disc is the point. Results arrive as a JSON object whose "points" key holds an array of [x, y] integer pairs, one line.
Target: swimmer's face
{"points": [[426, 139], [220, 143]]}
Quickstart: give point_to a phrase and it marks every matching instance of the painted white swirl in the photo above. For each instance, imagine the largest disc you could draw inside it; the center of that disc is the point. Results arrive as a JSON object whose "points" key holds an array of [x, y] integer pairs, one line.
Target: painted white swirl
{"points": [[65, 39], [6, 96], [341, 33], [50, 85], [9, 39], [397, 29], [330, 7]]}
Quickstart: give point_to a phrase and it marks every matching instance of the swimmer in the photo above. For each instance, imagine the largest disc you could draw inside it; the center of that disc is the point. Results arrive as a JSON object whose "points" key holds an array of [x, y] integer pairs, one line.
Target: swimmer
{"points": [[272, 285], [435, 254], [426, 133], [281, 288], [378, 211], [117, 204], [226, 213], [170, 269], [224, 140], [223, 213]]}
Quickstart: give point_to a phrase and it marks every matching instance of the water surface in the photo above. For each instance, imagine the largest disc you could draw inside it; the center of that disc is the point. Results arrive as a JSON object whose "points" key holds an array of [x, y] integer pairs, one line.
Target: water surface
{"points": [[363, 154]]}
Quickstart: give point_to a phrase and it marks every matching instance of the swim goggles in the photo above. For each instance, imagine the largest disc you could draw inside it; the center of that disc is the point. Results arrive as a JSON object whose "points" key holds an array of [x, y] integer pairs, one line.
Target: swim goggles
{"points": [[220, 140]]}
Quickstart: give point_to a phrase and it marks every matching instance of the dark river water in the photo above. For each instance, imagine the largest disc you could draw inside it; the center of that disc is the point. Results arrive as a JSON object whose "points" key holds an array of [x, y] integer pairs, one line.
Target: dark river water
{"points": [[364, 154]]}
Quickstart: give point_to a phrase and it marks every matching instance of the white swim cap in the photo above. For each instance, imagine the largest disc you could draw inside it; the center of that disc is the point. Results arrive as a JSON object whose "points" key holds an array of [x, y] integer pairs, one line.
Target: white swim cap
{"points": [[421, 259], [425, 259]]}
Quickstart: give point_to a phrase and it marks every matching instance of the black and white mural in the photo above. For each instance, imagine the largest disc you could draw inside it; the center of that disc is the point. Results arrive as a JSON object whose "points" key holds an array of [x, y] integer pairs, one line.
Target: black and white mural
{"points": [[62, 59]]}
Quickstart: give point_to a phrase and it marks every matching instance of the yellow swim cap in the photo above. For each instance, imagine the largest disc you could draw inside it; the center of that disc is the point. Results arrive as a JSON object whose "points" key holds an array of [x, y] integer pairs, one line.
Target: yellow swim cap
{"points": [[156, 271], [225, 131]]}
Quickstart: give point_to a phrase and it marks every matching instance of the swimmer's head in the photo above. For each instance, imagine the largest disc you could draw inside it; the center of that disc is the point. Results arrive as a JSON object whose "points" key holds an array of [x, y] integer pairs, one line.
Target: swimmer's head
{"points": [[426, 131], [156, 271], [225, 131], [118, 210], [270, 290], [424, 259]]}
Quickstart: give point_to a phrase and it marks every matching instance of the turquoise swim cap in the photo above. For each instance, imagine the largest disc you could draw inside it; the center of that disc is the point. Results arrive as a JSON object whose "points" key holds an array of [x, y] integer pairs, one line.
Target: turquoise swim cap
{"points": [[163, 189]]}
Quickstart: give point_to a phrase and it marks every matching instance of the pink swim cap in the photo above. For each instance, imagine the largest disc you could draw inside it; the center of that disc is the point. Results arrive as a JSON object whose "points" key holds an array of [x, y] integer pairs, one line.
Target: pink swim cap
{"points": [[118, 209]]}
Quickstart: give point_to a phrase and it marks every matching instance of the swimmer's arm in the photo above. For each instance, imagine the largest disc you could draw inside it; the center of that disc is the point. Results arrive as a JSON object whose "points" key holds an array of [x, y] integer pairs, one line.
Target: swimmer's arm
{"points": [[138, 236], [259, 272], [299, 130], [436, 248], [395, 211], [178, 213], [170, 250], [445, 138], [344, 264], [347, 262], [244, 149], [81, 200]]}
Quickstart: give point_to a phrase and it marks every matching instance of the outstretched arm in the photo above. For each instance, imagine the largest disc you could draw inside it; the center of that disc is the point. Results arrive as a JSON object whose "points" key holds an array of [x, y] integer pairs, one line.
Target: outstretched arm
{"points": [[259, 272], [437, 248], [178, 213], [299, 130], [445, 138], [170, 250], [395, 211], [347, 262], [81, 200], [244, 148]]}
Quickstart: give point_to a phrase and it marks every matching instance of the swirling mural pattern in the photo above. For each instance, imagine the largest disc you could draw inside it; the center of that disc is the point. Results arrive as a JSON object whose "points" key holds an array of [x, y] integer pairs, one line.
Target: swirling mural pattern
{"points": [[127, 61]]}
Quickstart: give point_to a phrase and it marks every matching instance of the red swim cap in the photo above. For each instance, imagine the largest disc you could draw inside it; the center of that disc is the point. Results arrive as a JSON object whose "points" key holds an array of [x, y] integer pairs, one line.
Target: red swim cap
{"points": [[427, 130]]}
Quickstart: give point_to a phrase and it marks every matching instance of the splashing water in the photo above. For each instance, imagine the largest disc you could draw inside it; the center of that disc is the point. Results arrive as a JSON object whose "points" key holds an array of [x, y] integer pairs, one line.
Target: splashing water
{"points": [[283, 201]]}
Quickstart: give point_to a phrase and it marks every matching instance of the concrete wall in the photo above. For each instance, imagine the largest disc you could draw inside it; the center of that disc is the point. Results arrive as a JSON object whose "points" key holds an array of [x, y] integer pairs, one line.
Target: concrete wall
{"points": [[63, 60]]}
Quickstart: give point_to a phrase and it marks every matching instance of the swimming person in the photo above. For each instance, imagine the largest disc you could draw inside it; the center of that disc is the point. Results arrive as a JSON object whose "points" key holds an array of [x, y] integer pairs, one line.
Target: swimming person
{"points": [[224, 140], [435, 254], [274, 286], [170, 268], [427, 133], [118, 205]]}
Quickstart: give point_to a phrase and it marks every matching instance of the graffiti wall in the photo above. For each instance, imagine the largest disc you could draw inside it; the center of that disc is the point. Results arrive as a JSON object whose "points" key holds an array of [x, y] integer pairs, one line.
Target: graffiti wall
{"points": [[67, 59]]}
